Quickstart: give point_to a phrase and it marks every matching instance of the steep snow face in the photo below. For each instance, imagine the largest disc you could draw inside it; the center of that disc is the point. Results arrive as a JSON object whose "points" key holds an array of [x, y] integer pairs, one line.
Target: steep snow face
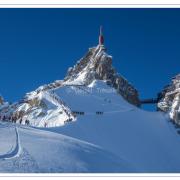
{"points": [[97, 65], [170, 99], [146, 140], [40, 108], [28, 150], [95, 98], [57, 106], [43, 109]]}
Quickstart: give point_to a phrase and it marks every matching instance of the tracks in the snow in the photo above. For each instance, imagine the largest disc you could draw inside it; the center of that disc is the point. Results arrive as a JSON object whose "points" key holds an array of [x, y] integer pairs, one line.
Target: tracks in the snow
{"points": [[18, 159], [15, 151]]}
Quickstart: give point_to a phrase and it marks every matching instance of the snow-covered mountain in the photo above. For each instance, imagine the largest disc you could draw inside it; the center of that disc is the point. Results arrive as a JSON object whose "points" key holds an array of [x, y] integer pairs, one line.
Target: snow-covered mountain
{"points": [[170, 99], [109, 135], [89, 122], [97, 65], [44, 107]]}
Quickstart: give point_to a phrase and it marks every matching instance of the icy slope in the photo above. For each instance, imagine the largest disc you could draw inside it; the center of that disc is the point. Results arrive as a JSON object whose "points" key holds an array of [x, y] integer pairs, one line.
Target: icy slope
{"points": [[145, 139], [30, 150], [97, 96]]}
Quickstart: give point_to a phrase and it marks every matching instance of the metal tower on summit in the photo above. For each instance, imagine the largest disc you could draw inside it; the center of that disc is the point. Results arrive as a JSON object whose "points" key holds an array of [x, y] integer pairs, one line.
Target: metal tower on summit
{"points": [[101, 37]]}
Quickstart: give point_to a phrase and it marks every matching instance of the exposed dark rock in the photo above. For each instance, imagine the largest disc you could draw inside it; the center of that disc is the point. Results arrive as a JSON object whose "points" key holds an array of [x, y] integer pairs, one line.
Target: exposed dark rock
{"points": [[170, 99], [1, 100], [96, 64]]}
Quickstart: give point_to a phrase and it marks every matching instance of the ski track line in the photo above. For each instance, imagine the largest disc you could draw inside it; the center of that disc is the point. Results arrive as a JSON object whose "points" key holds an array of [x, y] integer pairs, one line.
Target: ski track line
{"points": [[16, 151]]}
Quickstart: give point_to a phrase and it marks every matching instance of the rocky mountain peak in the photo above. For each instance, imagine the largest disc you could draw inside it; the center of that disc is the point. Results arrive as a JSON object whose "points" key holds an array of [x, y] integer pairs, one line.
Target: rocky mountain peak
{"points": [[170, 99], [88, 67], [47, 106], [97, 65]]}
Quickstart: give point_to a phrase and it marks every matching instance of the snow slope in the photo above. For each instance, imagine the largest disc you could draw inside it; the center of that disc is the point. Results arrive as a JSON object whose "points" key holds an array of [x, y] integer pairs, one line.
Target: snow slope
{"points": [[31, 150], [109, 135], [147, 140]]}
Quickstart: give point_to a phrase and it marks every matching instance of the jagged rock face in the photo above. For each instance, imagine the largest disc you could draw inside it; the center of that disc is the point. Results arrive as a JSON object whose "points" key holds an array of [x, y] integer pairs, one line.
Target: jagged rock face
{"points": [[40, 108], [170, 99], [96, 64], [1, 100]]}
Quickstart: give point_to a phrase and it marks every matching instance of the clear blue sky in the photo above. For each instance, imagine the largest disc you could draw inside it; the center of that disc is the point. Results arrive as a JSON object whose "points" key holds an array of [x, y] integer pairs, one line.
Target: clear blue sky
{"points": [[38, 45]]}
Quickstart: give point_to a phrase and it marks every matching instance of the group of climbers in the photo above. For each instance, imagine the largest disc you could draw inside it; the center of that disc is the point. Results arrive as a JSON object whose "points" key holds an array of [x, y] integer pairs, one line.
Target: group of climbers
{"points": [[82, 113], [4, 118], [78, 113], [99, 113], [13, 119]]}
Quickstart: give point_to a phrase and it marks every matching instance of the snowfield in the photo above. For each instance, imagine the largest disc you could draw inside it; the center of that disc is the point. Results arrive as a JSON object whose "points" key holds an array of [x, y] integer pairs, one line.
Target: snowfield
{"points": [[147, 140], [109, 135], [28, 150]]}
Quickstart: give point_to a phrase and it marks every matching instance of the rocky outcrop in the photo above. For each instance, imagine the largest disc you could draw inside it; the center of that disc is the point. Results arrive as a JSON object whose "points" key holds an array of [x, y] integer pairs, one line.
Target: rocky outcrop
{"points": [[170, 99], [97, 64], [1, 100]]}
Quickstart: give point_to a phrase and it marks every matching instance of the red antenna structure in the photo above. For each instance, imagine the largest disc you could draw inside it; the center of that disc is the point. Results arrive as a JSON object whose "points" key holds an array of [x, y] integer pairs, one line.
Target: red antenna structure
{"points": [[101, 37]]}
